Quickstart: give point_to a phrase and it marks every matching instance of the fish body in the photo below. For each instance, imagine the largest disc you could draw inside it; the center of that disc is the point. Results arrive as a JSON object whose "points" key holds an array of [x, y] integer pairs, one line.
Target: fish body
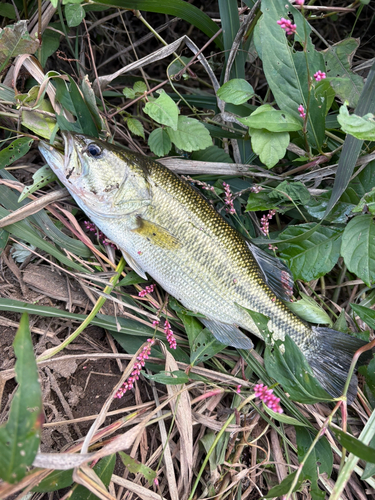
{"points": [[166, 229]]}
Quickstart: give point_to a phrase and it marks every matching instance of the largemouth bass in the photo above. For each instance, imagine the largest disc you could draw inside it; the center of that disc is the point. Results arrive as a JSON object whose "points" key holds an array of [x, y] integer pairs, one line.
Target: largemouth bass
{"points": [[166, 229]]}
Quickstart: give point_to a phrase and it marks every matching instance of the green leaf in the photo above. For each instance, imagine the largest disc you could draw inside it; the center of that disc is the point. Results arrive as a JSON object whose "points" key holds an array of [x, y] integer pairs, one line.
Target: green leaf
{"points": [[132, 278], [39, 123], [140, 87], [15, 40], [367, 203], [169, 378], [57, 480], [283, 488], [50, 42], [355, 446], [292, 371], [129, 93], [41, 178], [20, 436], [338, 59], [295, 191], [135, 127], [236, 91], [190, 135], [281, 417], [309, 310], [314, 256], [7, 10], [365, 313], [364, 181], [319, 461], [74, 13], [136, 467], [212, 154], [288, 71], [159, 142], [204, 347], [357, 247], [269, 146], [260, 201], [104, 470], [17, 149], [273, 120], [163, 110], [361, 127]]}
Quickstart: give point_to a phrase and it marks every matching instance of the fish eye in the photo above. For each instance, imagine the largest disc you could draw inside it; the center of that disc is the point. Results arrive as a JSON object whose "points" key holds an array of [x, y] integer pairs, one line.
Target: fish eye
{"points": [[94, 150]]}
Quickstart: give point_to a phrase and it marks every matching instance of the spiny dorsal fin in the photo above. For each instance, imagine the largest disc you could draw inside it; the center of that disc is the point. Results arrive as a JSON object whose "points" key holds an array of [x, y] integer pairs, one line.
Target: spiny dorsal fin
{"points": [[157, 234], [275, 273]]}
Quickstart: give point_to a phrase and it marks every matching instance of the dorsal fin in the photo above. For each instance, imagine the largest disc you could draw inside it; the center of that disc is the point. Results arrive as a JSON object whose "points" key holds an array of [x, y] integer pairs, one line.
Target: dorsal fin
{"points": [[275, 273]]}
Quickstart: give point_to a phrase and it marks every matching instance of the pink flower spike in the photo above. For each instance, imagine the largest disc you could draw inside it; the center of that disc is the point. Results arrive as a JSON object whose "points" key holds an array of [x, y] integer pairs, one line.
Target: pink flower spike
{"points": [[229, 199], [238, 389], [148, 289], [300, 2], [266, 395], [301, 111], [287, 26], [319, 75], [156, 482], [169, 334]]}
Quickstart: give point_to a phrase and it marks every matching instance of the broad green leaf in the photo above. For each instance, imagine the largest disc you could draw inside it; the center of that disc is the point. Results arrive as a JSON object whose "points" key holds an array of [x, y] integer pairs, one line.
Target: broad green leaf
{"points": [[169, 378], [317, 208], [355, 446], [50, 42], [17, 149], [20, 436], [163, 110], [289, 367], [217, 455], [338, 59], [364, 181], [309, 310], [272, 120], [204, 347], [129, 93], [15, 40], [260, 201], [286, 70], [159, 142], [321, 454], [312, 257], [74, 13], [269, 146], [104, 470], [140, 87], [136, 467], [135, 127], [132, 278], [57, 480], [361, 127], [212, 154], [365, 313], [357, 247], [283, 488], [192, 326], [295, 191], [370, 468], [41, 178], [236, 91], [190, 135], [7, 10], [39, 123]]}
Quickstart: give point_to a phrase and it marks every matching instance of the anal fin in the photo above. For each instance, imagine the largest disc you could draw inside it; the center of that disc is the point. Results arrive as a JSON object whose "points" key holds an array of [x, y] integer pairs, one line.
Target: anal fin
{"points": [[132, 263], [157, 234], [227, 334], [275, 273]]}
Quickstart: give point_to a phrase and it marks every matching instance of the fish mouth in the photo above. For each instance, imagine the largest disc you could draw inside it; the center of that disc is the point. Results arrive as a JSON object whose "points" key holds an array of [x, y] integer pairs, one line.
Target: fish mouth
{"points": [[62, 164]]}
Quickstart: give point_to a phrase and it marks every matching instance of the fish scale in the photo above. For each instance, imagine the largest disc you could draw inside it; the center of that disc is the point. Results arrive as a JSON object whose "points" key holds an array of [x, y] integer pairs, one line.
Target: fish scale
{"points": [[165, 228]]}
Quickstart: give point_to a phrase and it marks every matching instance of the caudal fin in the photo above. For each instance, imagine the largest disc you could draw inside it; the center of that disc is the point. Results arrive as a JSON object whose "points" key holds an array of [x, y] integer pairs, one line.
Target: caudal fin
{"points": [[331, 361]]}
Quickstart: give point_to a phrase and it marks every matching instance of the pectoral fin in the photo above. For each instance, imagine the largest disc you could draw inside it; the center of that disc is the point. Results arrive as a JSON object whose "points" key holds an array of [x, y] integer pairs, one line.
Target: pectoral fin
{"points": [[227, 334], [157, 234], [132, 263], [275, 273]]}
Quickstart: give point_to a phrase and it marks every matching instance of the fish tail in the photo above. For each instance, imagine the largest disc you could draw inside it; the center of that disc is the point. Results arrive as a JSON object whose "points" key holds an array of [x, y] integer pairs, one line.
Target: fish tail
{"points": [[331, 359]]}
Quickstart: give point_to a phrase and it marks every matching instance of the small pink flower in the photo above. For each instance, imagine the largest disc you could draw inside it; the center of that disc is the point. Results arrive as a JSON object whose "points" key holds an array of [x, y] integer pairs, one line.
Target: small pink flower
{"points": [[101, 236], [264, 222], [300, 2], [169, 334], [229, 198], [148, 289], [319, 75], [238, 389], [155, 323], [138, 365], [301, 111], [156, 482], [266, 395], [286, 24], [272, 247]]}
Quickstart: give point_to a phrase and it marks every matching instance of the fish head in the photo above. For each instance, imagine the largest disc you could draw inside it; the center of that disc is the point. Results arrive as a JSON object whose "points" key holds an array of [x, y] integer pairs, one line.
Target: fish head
{"points": [[104, 179]]}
